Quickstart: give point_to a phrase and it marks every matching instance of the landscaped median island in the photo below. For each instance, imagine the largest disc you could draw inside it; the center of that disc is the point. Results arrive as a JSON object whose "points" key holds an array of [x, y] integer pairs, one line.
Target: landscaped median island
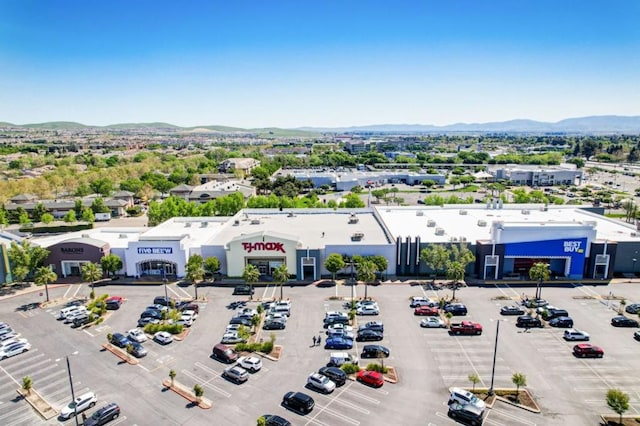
{"points": [[41, 405], [195, 395]]}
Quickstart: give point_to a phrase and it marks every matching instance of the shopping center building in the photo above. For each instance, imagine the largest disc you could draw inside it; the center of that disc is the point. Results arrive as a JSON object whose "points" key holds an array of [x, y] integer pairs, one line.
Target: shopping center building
{"points": [[577, 243]]}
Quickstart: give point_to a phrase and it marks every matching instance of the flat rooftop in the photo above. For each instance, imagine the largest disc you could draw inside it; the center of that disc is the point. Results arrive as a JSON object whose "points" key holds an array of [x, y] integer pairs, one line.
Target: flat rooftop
{"points": [[313, 227], [116, 237], [412, 221]]}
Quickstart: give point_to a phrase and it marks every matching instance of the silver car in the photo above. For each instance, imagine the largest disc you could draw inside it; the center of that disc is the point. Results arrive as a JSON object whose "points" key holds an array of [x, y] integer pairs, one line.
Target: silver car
{"points": [[321, 383]]}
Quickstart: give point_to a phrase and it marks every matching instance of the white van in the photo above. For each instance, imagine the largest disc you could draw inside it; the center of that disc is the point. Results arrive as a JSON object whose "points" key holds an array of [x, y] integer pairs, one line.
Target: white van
{"points": [[338, 358], [64, 312]]}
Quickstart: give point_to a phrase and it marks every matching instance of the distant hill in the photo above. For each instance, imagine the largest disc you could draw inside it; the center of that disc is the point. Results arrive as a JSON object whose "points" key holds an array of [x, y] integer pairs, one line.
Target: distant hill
{"points": [[124, 126], [594, 124], [55, 125]]}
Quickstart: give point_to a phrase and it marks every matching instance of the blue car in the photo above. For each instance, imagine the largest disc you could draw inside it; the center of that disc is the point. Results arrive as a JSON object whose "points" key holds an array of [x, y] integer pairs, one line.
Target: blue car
{"points": [[338, 343]]}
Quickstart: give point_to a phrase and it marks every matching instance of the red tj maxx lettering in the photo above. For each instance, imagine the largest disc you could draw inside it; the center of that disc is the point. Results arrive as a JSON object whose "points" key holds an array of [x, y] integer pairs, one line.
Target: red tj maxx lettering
{"points": [[249, 247]]}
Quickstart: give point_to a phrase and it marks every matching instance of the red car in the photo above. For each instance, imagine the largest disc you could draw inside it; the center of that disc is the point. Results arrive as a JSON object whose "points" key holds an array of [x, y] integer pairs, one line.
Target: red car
{"points": [[113, 302], [371, 378], [584, 350], [426, 310]]}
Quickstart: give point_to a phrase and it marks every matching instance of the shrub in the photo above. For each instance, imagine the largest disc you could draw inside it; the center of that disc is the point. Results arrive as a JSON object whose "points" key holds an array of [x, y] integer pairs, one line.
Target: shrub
{"points": [[260, 309], [171, 328], [350, 368], [267, 347], [352, 314], [377, 367], [99, 320]]}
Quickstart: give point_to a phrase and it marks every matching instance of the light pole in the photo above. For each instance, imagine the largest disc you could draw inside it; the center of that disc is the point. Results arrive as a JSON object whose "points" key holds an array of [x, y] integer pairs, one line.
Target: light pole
{"points": [[495, 352], [633, 269], [164, 281], [73, 395]]}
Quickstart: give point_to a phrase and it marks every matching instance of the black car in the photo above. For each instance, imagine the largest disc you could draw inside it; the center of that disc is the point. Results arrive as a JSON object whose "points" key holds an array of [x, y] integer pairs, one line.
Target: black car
{"points": [[164, 301], [240, 321], [562, 322], [147, 320], [274, 325], [549, 314], [633, 308], [335, 374], [103, 415], [273, 420], [622, 321], [467, 413], [298, 401], [456, 309], [372, 325], [368, 335], [527, 321], [335, 320], [151, 313], [119, 340], [374, 351], [243, 290], [511, 310]]}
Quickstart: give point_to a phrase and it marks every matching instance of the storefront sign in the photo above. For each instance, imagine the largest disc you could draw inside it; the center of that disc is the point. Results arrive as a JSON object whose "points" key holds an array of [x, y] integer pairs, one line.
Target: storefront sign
{"points": [[573, 247], [249, 247], [71, 250], [155, 250]]}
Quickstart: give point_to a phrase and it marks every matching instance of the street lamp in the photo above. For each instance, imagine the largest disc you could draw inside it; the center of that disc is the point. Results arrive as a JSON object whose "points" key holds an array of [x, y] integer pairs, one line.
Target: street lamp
{"points": [[73, 395], [495, 352], [633, 269]]}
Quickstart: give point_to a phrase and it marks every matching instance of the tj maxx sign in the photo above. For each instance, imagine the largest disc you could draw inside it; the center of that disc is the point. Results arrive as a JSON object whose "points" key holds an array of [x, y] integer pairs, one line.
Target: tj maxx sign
{"points": [[249, 247]]}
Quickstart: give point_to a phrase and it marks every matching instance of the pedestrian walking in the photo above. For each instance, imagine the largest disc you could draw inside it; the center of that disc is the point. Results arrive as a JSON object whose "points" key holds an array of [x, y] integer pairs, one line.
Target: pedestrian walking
{"points": [[319, 340], [314, 340]]}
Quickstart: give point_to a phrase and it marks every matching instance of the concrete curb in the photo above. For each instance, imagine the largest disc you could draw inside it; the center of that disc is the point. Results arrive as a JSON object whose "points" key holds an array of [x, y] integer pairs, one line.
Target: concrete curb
{"points": [[120, 354], [204, 403]]}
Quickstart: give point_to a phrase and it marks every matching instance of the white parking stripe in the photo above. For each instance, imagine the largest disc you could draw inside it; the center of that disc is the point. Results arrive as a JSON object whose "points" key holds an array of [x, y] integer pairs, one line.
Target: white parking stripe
{"points": [[328, 410], [206, 384], [347, 404]]}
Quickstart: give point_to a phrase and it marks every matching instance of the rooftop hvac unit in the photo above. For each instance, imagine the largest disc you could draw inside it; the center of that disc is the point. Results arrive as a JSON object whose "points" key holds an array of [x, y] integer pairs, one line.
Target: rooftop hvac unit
{"points": [[255, 221], [544, 208], [482, 223], [358, 236], [353, 220], [462, 212], [526, 212], [85, 235], [634, 234], [431, 223], [236, 222], [453, 239], [463, 239], [187, 224], [122, 236], [291, 214], [439, 231], [204, 224], [419, 213]]}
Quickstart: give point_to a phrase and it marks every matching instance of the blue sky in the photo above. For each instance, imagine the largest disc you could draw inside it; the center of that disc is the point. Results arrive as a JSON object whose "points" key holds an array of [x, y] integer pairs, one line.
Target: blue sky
{"points": [[317, 63]]}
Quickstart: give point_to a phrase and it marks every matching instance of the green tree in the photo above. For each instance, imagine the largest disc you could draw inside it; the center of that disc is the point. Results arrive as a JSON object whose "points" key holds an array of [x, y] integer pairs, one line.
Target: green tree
{"points": [[38, 211], [88, 216], [519, 379], [198, 391], [250, 275], [25, 258], [111, 264], [27, 384], [474, 379], [539, 272], [281, 276], [366, 272], [381, 263], [435, 256], [98, 206], [333, 263], [618, 401], [261, 421], [70, 217], [91, 272], [44, 276], [23, 218], [211, 266], [47, 218], [172, 376], [103, 186], [195, 271], [455, 272]]}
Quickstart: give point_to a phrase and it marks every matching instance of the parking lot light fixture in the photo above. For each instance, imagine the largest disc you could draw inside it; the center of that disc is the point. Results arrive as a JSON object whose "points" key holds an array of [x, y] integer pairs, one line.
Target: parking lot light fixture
{"points": [[495, 352], [73, 396]]}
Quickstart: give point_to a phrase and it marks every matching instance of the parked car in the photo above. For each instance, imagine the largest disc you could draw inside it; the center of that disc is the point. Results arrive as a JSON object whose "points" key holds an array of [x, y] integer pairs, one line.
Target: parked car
{"points": [[243, 290], [372, 325], [12, 341], [342, 327], [622, 321], [157, 307], [636, 335], [224, 353], [512, 310], [464, 397], [337, 359], [535, 303], [78, 405], [250, 363], [338, 343], [422, 301], [368, 335], [426, 310], [562, 322], [4, 325], [633, 308], [9, 335], [81, 320], [335, 314], [274, 325], [335, 320], [456, 309], [119, 340], [241, 321], [147, 320], [550, 313], [432, 322], [188, 306], [151, 313], [164, 301], [374, 351], [136, 335], [368, 310], [103, 415], [231, 337], [236, 374], [527, 321], [584, 350], [468, 414], [14, 349], [321, 383], [113, 302], [273, 420], [163, 337], [331, 332], [371, 378], [81, 310], [335, 374], [62, 313], [298, 401], [575, 334]]}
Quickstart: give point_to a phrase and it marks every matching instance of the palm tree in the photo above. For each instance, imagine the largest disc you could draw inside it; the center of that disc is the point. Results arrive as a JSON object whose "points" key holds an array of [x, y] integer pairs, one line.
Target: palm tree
{"points": [[27, 384], [250, 275], [455, 272], [198, 391], [172, 376], [91, 272], [281, 276], [518, 379], [366, 271], [195, 271], [540, 272], [45, 276]]}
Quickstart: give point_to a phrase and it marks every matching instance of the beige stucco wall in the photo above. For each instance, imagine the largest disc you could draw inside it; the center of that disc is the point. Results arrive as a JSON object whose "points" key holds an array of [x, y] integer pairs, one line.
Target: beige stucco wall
{"points": [[260, 247]]}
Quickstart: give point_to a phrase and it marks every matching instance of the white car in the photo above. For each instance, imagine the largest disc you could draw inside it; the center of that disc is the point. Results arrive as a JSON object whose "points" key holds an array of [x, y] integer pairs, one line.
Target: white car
{"points": [[231, 337], [232, 328], [339, 327], [163, 337], [75, 314], [250, 363], [277, 317], [575, 334], [332, 314], [12, 341], [422, 301], [340, 333], [190, 313], [188, 318], [368, 310], [3, 325], [78, 405], [463, 397], [14, 349], [363, 303], [321, 383], [9, 336], [432, 322], [137, 335]]}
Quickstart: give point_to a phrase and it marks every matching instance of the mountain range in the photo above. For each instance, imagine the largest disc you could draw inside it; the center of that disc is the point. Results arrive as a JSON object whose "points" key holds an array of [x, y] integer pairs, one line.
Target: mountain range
{"points": [[583, 125]]}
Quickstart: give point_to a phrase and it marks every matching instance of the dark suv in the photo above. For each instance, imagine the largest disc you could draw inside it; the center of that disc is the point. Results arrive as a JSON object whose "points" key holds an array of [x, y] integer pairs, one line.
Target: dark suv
{"points": [[374, 351], [468, 413], [164, 301], [119, 340], [335, 374], [562, 322], [456, 309], [298, 401], [527, 321], [549, 314], [104, 415], [243, 290]]}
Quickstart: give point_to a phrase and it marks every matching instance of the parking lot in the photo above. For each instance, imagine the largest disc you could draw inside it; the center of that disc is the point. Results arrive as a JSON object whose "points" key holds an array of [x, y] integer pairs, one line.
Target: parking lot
{"points": [[428, 361]]}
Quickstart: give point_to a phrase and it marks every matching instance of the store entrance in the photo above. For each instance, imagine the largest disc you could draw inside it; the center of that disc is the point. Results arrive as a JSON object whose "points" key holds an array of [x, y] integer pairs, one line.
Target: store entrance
{"points": [[157, 268], [266, 266]]}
